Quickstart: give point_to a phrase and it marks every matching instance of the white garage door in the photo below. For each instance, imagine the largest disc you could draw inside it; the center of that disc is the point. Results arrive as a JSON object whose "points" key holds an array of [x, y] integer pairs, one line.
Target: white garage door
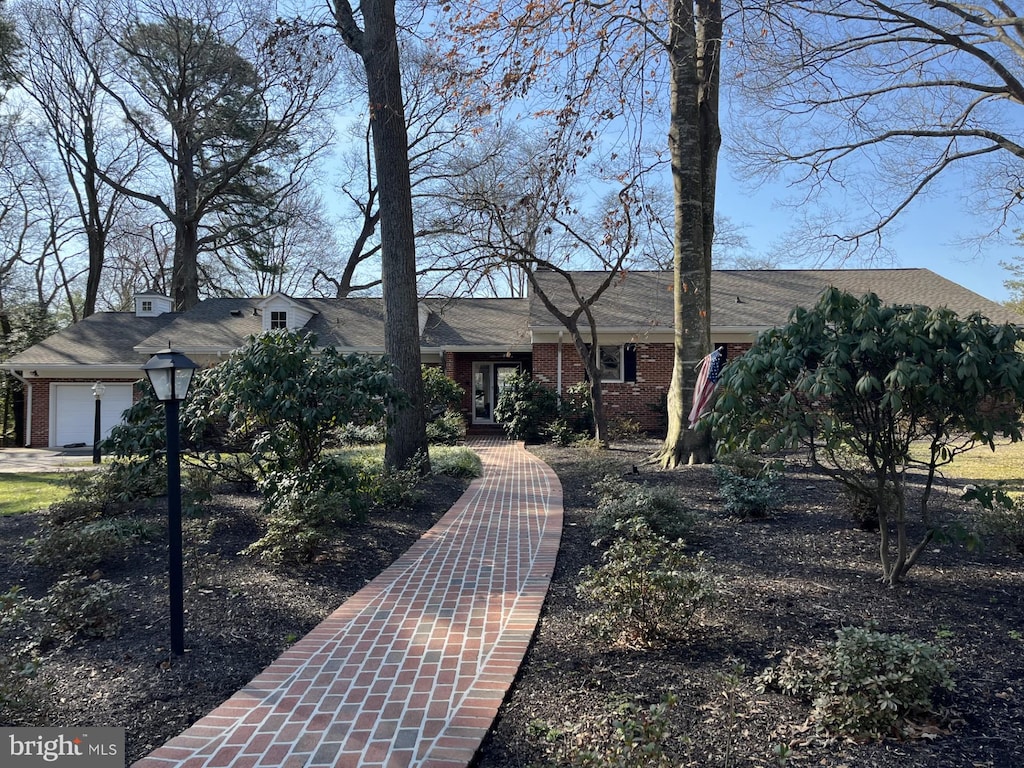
{"points": [[74, 412]]}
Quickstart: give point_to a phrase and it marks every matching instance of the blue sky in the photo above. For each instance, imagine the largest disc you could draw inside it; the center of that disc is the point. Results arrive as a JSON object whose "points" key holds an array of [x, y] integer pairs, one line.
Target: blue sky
{"points": [[926, 235]]}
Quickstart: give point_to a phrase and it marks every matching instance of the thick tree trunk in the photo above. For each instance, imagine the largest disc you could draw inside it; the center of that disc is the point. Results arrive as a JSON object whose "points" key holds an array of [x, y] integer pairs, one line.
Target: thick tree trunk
{"points": [[693, 210], [377, 45], [96, 230], [185, 269]]}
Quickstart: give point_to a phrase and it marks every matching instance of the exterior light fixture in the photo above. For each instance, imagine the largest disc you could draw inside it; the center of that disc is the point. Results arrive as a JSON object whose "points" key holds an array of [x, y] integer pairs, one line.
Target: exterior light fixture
{"points": [[170, 373]]}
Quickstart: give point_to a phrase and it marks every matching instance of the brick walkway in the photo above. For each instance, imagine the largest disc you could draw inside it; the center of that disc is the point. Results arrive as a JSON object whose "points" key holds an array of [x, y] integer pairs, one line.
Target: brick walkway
{"points": [[411, 670]]}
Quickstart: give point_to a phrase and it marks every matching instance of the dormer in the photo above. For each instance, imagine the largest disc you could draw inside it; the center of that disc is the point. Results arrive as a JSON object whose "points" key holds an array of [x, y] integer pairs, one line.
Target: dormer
{"points": [[150, 304], [283, 313]]}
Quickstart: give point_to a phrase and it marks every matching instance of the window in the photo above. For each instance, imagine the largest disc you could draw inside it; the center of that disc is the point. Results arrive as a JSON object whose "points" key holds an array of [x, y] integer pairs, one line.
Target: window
{"points": [[609, 360], [278, 321], [147, 305]]}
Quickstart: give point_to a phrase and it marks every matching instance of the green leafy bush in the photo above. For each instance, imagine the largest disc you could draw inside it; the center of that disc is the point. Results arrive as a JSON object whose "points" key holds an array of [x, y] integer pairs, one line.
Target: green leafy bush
{"points": [[661, 508], [447, 429], [379, 487], [455, 462], [626, 429], [576, 409], [1002, 515], [18, 662], [77, 605], [865, 684], [748, 490], [647, 589], [81, 547], [852, 377], [376, 486], [121, 481], [525, 407], [306, 510], [440, 393], [631, 736], [74, 510], [561, 432], [361, 434]]}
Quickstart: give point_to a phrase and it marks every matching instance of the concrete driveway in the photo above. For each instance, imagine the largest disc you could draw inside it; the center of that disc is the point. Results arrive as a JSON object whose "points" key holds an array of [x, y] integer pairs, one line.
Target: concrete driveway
{"points": [[44, 459]]}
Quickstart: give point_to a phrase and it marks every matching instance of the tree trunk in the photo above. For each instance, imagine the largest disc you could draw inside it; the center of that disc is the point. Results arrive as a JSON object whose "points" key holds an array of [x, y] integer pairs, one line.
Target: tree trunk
{"points": [[693, 100], [588, 355], [377, 46], [185, 269], [96, 231]]}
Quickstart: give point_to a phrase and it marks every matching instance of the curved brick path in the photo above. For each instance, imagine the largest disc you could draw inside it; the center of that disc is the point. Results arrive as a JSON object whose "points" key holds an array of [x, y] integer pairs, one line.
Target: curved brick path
{"points": [[411, 670]]}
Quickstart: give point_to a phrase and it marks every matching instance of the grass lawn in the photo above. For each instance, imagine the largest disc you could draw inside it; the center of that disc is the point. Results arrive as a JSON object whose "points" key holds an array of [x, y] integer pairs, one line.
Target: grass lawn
{"points": [[982, 464], [29, 491]]}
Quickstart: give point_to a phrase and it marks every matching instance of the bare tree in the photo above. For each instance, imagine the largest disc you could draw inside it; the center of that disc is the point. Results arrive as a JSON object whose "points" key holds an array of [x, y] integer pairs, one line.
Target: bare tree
{"points": [[882, 103], [287, 257], [606, 74], [56, 37], [442, 136], [38, 258], [140, 260], [517, 219], [228, 112]]}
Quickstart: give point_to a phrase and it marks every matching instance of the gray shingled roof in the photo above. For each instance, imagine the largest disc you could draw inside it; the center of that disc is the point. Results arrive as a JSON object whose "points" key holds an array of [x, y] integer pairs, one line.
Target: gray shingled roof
{"points": [[213, 324], [637, 301], [477, 323], [355, 323], [105, 338], [766, 297]]}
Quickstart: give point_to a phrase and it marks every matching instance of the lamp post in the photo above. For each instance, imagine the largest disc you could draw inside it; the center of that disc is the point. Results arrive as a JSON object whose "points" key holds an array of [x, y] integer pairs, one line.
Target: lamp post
{"points": [[97, 391], [170, 373]]}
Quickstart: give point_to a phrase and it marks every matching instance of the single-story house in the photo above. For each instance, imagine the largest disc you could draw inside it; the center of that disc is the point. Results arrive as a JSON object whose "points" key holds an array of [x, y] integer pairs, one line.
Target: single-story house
{"points": [[478, 342]]}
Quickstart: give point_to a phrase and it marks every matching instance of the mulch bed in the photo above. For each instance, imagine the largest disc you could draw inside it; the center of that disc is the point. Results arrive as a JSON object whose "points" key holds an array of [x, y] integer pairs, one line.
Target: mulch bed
{"points": [[788, 581], [239, 615]]}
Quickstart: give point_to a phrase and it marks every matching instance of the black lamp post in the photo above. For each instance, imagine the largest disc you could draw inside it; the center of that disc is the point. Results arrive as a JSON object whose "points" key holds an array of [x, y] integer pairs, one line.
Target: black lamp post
{"points": [[97, 391], [170, 374]]}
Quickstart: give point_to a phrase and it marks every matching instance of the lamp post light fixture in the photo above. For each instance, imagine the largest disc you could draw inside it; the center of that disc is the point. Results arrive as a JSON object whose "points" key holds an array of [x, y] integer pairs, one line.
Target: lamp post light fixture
{"points": [[170, 373], [97, 391]]}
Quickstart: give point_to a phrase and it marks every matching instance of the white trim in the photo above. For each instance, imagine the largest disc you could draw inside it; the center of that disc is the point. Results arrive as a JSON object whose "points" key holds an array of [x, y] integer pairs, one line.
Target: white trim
{"points": [[492, 350]]}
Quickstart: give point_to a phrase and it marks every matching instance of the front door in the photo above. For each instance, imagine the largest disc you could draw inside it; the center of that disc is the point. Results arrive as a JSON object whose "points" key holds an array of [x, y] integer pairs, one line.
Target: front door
{"points": [[488, 382]]}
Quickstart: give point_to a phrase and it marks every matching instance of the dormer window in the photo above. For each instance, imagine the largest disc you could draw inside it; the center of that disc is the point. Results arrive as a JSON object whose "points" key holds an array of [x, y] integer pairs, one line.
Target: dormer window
{"points": [[278, 320], [147, 305]]}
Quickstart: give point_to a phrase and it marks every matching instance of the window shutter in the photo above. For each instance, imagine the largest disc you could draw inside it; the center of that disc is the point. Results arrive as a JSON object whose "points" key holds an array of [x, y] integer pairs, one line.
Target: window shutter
{"points": [[629, 363]]}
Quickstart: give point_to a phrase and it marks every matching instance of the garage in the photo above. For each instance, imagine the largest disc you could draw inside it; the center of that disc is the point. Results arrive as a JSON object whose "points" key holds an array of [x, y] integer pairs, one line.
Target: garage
{"points": [[73, 412]]}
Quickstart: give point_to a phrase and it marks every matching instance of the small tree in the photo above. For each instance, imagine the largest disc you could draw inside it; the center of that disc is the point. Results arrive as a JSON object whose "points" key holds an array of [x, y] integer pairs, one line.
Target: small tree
{"points": [[286, 393], [279, 396], [856, 383]]}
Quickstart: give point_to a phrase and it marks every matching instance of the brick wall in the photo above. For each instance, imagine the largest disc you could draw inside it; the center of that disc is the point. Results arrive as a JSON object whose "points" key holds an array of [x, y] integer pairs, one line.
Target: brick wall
{"points": [[642, 400], [39, 418]]}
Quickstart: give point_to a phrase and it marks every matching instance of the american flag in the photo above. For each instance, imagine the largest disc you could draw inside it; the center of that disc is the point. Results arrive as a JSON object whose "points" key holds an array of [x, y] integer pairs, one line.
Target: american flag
{"points": [[707, 379]]}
